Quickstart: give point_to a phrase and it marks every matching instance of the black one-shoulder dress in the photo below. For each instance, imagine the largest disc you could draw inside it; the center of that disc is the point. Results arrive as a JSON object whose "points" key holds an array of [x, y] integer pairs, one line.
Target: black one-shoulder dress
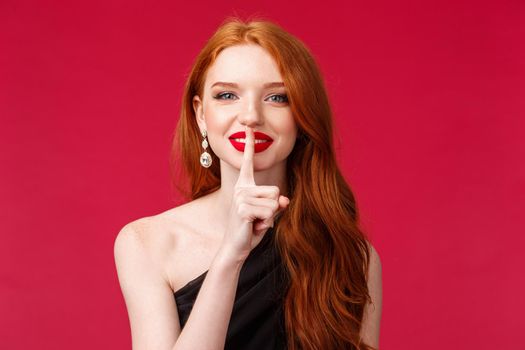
{"points": [[257, 320]]}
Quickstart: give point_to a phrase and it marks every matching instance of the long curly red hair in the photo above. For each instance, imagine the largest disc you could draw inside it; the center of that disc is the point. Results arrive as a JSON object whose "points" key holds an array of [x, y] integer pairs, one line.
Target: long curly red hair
{"points": [[322, 246]]}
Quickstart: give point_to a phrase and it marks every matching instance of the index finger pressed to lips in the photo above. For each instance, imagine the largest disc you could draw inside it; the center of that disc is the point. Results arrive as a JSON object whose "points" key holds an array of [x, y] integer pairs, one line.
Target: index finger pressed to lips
{"points": [[246, 177]]}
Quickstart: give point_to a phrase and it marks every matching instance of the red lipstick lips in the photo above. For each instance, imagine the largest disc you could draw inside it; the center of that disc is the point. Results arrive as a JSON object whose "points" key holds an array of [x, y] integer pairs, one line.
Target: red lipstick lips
{"points": [[258, 147]]}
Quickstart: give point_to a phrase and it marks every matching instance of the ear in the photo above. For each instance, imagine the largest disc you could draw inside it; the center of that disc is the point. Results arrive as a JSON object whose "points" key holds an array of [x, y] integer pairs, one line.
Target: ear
{"points": [[199, 113]]}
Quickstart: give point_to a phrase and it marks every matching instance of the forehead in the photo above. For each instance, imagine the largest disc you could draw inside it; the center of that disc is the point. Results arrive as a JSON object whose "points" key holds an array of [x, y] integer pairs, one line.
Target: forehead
{"points": [[244, 64]]}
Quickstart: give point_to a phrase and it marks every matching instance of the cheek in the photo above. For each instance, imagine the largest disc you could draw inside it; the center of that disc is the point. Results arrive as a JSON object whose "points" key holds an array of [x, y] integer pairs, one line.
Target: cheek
{"points": [[217, 126], [288, 130], [216, 122], [289, 127]]}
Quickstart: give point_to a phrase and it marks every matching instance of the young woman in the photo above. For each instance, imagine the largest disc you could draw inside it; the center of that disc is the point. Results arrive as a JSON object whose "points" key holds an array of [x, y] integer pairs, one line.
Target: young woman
{"points": [[267, 253]]}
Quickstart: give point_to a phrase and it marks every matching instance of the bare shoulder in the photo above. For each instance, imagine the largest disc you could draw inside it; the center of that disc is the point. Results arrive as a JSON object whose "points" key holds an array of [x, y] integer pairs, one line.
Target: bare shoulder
{"points": [[148, 234], [141, 249], [370, 330], [173, 241]]}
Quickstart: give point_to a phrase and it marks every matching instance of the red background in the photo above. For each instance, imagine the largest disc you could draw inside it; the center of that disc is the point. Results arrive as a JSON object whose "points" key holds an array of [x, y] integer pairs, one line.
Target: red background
{"points": [[429, 105]]}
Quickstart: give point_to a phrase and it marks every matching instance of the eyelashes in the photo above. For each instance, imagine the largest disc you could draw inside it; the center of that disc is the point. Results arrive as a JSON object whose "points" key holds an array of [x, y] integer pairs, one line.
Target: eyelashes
{"points": [[282, 98], [220, 96]]}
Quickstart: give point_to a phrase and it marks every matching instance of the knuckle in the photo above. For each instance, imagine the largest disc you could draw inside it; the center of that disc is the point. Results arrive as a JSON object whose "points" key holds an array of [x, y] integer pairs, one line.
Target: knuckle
{"points": [[240, 195], [275, 191], [240, 199], [242, 209], [238, 190]]}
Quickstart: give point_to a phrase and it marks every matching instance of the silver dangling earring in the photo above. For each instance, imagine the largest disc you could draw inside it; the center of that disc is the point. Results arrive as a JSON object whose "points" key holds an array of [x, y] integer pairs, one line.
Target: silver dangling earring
{"points": [[205, 156]]}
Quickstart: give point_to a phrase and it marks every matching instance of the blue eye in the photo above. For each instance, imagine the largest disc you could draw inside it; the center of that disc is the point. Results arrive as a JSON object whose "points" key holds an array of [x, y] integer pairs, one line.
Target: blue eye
{"points": [[279, 98], [220, 96], [283, 98]]}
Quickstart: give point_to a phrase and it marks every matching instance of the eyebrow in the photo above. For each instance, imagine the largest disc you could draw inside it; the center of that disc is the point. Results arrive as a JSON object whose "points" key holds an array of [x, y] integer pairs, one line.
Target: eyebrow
{"points": [[234, 85]]}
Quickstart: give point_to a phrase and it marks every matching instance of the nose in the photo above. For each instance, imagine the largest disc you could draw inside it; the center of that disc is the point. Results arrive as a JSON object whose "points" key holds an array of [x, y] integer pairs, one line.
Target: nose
{"points": [[251, 114]]}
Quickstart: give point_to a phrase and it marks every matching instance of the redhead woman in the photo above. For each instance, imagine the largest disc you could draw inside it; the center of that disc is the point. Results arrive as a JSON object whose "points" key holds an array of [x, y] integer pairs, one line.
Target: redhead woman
{"points": [[267, 251]]}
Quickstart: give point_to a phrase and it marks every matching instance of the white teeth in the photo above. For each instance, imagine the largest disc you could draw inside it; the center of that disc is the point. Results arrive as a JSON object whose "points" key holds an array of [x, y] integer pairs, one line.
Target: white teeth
{"points": [[244, 140]]}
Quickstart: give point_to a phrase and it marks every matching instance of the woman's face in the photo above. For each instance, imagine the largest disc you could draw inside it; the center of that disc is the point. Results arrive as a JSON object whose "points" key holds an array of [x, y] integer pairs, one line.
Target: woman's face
{"points": [[244, 87]]}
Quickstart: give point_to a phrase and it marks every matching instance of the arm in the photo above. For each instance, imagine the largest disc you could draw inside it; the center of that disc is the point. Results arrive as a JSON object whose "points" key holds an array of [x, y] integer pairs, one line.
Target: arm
{"points": [[151, 303], [153, 314], [207, 324], [149, 299], [372, 313]]}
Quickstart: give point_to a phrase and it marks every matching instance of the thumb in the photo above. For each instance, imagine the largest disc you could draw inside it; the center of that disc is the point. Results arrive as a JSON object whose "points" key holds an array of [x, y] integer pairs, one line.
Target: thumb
{"points": [[283, 204]]}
